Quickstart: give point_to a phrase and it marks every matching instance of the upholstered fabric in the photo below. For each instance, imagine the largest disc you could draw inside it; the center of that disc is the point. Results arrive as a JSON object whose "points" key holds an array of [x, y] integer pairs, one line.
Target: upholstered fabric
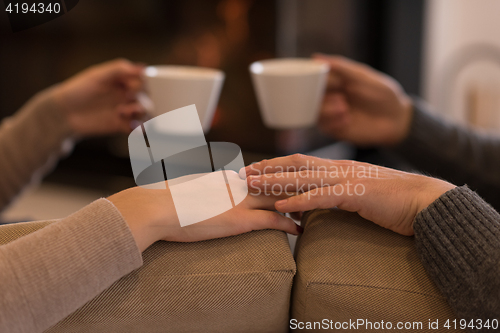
{"points": [[234, 284], [49, 274], [349, 268]]}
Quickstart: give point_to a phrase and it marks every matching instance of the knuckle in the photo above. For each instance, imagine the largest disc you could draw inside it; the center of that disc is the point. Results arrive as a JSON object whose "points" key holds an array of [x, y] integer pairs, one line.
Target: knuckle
{"points": [[304, 173], [303, 198], [298, 158], [122, 63], [273, 220], [262, 164], [315, 192]]}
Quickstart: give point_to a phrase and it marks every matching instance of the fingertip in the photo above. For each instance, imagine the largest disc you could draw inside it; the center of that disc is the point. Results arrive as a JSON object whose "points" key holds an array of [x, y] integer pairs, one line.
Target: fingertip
{"points": [[319, 55], [329, 60], [121, 68], [132, 110], [134, 124], [281, 206], [322, 59], [123, 64], [281, 203], [289, 226], [127, 67], [139, 68], [242, 173], [249, 170]]}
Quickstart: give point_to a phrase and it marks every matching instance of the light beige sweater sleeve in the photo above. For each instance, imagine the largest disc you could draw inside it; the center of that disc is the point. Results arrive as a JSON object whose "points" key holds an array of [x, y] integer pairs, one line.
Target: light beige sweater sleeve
{"points": [[46, 275], [30, 141]]}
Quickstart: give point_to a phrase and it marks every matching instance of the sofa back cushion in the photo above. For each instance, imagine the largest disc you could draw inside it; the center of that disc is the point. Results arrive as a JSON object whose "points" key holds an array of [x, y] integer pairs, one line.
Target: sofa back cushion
{"points": [[234, 284], [349, 268]]}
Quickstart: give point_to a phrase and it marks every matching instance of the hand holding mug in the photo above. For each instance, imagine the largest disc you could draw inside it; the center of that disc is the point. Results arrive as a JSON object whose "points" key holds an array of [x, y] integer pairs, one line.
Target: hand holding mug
{"points": [[102, 99], [362, 105]]}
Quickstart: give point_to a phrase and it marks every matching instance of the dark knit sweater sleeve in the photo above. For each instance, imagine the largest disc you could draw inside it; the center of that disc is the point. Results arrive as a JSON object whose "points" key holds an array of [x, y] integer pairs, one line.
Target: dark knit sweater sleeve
{"points": [[458, 240], [455, 153]]}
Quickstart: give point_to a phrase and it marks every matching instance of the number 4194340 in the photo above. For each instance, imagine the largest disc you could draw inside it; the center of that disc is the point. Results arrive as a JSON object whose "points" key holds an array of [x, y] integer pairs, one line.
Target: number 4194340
{"points": [[35, 8], [472, 324]]}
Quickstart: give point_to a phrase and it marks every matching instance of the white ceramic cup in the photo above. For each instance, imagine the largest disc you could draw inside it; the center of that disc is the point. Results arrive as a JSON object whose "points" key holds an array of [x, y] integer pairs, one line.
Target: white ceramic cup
{"points": [[173, 87], [289, 90]]}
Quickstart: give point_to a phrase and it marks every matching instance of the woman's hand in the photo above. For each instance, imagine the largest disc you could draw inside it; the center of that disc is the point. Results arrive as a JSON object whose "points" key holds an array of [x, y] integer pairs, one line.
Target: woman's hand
{"points": [[151, 216], [388, 197], [102, 99], [362, 105]]}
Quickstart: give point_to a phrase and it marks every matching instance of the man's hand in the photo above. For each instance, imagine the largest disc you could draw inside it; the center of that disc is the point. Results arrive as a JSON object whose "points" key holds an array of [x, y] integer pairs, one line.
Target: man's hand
{"points": [[387, 197], [101, 100], [363, 106]]}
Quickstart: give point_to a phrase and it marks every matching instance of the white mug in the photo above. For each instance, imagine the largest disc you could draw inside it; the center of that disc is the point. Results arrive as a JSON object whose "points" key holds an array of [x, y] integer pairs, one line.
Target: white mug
{"points": [[173, 87], [289, 90]]}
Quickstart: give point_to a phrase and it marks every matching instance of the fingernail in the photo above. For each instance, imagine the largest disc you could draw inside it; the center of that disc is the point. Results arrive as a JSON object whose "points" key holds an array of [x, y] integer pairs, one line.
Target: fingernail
{"points": [[254, 179], [299, 229], [281, 202], [243, 173]]}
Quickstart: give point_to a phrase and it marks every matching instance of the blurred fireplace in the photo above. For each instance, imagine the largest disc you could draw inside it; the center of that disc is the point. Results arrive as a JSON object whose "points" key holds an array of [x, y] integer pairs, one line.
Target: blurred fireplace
{"points": [[226, 34]]}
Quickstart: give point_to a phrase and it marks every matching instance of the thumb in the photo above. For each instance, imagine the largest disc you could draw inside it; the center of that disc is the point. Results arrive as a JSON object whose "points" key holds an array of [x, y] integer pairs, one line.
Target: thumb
{"points": [[123, 68], [127, 73], [342, 68], [264, 219]]}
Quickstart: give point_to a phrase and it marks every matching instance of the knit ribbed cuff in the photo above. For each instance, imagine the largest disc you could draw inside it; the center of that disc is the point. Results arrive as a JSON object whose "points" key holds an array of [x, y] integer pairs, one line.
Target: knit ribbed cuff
{"points": [[458, 240]]}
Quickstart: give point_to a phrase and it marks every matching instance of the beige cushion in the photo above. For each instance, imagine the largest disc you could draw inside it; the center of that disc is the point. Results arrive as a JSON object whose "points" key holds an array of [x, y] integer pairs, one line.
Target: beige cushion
{"points": [[349, 268], [234, 284]]}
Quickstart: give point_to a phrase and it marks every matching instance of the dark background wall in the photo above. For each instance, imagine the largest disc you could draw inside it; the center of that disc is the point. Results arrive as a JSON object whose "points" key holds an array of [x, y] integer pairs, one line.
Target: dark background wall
{"points": [[227, 34]]}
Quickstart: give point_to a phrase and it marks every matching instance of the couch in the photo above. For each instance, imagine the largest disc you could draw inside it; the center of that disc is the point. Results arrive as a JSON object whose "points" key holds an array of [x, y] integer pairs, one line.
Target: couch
{"points": [[345, 269]]}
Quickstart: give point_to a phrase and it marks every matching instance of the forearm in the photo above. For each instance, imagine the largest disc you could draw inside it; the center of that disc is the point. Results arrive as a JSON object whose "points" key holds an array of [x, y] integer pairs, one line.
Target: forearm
{"points": [[50, 273], [454, 153], [29, 141], [458, 240]]}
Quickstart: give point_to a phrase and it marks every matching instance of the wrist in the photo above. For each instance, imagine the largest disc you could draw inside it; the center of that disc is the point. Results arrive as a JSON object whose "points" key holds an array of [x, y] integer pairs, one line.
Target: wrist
{"points": [[142, 231], [149, 213], [59, 95], [139, 220], [425, 191], [431, 192]]}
